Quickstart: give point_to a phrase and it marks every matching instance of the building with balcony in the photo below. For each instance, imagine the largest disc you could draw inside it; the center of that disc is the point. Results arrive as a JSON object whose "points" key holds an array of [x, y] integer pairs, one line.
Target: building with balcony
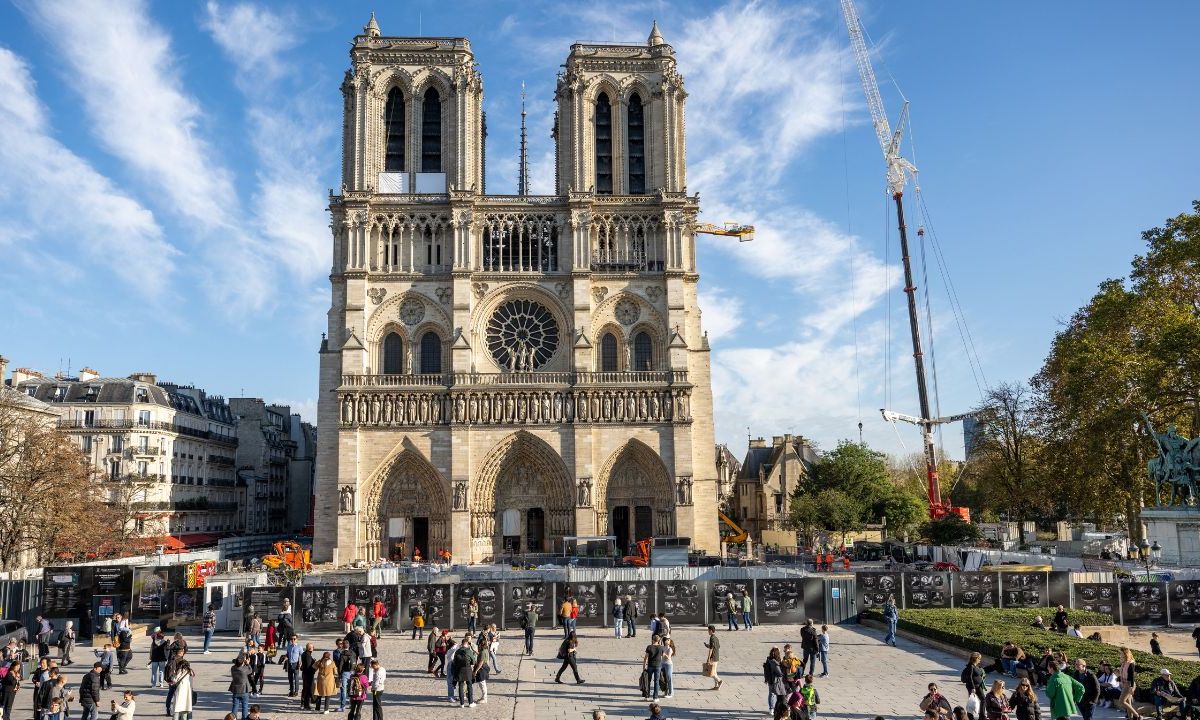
{"points": [[768, 477], [152, 442], [504, 371], [264, 455]]}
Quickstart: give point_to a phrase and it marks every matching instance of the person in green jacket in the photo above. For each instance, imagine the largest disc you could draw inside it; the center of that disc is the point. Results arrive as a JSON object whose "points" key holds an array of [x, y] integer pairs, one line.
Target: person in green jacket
{"points": [[1064, 692]]}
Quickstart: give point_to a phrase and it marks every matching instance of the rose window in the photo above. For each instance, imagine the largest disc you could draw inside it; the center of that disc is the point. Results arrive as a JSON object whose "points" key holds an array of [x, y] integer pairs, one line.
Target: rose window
{"points": [[522, 335]]}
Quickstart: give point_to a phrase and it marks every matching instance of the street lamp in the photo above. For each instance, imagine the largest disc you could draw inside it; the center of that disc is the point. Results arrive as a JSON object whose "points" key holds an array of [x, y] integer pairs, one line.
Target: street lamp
{"points": [[1149, 551]]}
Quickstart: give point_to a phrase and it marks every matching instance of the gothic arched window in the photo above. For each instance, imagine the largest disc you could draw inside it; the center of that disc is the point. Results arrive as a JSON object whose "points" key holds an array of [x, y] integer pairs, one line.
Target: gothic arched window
{"points": [[393, 354], [637, 147], [643, 352], [431, 132], [393, 128], [604, 154], [431, 353], [608, 353]]}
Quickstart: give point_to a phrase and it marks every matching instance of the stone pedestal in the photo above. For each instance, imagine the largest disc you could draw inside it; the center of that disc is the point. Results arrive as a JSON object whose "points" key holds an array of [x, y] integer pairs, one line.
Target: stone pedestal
{"points": [[1177, 531]]}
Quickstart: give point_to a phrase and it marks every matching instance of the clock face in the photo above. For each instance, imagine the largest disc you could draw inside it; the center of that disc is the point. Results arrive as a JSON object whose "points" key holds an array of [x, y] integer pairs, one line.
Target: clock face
{"points": [[522, 335]]}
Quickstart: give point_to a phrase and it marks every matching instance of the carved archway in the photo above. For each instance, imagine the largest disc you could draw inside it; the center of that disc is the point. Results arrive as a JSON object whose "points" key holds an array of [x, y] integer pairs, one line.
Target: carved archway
{"points": [[523, 474], [406, 487], [635, 477]]}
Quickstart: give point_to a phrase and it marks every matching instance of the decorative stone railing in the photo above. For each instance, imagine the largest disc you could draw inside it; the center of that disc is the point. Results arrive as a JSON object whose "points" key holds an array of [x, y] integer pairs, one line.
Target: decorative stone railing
{"points": [[640, 378]]}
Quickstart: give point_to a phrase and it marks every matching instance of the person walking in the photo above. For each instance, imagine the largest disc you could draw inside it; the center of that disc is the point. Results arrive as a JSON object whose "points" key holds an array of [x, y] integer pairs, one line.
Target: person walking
{"points": [[89, 692], [124, 650], [493, 647], [732, 610], [1128, 678], [1064, 693], [208, 624], [567, 653], [357, 691], [974, 678], [417, 618], [449, 674], [348, 614], [482, 674], [326, 685], [378, 680], [1024, 701], [240, 687], [173, 660], [10, 684], [308, 676], [182, 700], [66, 644], [773, 677], [257, 660], [463, 671], [630, 612], [823, 650], [812, 698], [345, 665], [107, 657], [158, 658], [255, 628], [529, 623], [564, 615], [1091, 688], [651, 668], [292, 653], [668, 665], [431, 645], [747, 608], [472, 614], [379, 613], [714, 657], [892, 617], [808, 647], [618, 615]]}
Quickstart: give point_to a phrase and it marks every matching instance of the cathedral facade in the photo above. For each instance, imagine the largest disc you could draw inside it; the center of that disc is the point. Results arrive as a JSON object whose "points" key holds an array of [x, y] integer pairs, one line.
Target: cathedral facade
{"points": [[502, 372]]}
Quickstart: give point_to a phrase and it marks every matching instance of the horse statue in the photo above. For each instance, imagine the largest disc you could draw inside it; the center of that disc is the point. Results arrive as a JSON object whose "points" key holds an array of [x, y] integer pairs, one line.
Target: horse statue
{"points": [[1177, 466]]}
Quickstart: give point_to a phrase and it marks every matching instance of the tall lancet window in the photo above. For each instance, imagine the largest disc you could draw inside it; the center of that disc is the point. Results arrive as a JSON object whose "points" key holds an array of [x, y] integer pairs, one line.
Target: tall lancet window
{"points": [[604, 149], [431, 131], [637, 147], [393, 354], [393, 127]]}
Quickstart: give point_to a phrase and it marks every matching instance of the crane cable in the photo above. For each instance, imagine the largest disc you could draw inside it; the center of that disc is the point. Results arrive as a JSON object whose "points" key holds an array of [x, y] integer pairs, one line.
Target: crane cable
{"points": [[853, 268]]}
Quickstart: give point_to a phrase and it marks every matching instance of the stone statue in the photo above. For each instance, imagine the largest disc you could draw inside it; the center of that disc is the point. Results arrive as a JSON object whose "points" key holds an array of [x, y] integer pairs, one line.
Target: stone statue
{"points": [[1177, 466], [460, 496], [346, 499], [585, 492]]}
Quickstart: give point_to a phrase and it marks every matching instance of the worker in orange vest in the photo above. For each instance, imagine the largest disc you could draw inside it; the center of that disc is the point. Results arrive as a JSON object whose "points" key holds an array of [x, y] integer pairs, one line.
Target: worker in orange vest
{"points": [[846, 562]]}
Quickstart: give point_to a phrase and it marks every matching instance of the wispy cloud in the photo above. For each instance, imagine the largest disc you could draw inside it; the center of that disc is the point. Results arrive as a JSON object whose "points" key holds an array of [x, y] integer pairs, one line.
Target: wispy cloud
{"points": [[40, 177], [721, 312]]}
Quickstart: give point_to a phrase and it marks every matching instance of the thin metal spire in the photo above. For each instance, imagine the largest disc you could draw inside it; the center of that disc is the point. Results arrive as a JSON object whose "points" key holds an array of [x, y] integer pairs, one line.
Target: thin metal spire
{"points": [[523, 181]]}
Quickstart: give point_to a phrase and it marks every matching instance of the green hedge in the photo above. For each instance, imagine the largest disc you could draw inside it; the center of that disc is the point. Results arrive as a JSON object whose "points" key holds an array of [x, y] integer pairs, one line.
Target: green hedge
{"points": [[986, 631]]}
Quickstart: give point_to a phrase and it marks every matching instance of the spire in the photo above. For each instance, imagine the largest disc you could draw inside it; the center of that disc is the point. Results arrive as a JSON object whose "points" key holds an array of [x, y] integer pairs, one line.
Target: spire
{"points": [[656, 37], [371, 29], [523, 180]]}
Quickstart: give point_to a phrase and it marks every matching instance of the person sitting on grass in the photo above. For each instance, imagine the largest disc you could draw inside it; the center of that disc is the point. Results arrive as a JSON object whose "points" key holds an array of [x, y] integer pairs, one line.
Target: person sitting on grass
{"points": [[1165, 693]]}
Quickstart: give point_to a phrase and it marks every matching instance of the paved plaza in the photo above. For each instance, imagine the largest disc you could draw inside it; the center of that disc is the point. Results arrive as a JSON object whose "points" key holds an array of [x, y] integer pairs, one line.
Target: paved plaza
{"points": [[866, 678]]}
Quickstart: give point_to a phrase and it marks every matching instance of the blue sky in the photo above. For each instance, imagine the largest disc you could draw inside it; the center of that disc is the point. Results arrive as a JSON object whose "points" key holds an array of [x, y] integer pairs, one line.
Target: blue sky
{"points": [[164, 170]]}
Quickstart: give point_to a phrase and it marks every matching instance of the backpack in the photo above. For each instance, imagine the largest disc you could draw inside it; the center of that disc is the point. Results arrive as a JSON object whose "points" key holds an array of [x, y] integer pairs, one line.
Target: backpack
{"points": [[356, 686], [965, 676]]}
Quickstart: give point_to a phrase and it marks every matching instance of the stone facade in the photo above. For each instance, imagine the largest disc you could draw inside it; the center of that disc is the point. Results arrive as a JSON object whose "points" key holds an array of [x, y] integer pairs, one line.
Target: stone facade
{"points": [[766, 480], [502, 372]]}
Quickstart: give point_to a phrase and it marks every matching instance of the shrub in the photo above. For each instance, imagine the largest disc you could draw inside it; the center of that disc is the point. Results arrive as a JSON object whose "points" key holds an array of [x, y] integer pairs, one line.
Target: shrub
{"points": [[985, 631]]}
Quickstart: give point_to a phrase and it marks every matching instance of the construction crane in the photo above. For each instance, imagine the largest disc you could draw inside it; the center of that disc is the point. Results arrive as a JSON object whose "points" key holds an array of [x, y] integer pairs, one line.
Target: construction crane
{"points": [[898, 171], [744, 233]]}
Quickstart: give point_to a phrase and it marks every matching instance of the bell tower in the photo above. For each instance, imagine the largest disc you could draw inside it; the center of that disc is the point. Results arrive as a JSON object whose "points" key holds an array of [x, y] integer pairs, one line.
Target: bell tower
{"points": [[619, 126]]}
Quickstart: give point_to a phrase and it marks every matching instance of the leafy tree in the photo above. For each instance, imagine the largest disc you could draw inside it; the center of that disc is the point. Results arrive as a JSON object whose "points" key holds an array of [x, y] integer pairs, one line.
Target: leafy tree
{"points": [[857, 471], [1007, 463], [830, 510], [903, 510], [950, 530]]}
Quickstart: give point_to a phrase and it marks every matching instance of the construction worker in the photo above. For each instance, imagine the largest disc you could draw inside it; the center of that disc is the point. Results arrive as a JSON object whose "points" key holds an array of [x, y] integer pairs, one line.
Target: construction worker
{"points": [[846, 563]]}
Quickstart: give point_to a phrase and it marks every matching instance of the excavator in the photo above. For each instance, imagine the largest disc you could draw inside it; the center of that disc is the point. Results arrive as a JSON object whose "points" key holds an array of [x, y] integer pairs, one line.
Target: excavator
{"points": [[641, 554], [736, 535], [288, 564]]}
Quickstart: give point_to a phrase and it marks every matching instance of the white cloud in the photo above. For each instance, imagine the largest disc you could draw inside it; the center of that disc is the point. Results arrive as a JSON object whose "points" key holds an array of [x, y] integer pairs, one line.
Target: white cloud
{"points": [[254, 37], [38, 174], [721, 312]]}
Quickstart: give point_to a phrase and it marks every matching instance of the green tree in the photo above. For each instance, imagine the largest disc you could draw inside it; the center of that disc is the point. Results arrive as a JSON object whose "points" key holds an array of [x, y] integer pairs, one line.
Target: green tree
{"points": [[1007, 464], [903, 510], [858, 472], [950, 530]]}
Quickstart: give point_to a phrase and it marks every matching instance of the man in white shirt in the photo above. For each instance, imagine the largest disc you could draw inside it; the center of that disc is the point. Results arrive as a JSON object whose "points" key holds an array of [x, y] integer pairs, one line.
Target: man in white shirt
{"points": [[378, 678]]}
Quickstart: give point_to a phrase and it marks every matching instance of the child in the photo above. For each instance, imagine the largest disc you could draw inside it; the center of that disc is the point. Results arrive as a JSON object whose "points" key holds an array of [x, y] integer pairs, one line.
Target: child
{"points": [[1155, 648], [811, 698], [107, 657]]}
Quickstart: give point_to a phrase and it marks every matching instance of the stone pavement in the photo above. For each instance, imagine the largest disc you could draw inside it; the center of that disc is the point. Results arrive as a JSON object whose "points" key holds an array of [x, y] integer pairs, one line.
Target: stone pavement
{"points": [[866, 678]]}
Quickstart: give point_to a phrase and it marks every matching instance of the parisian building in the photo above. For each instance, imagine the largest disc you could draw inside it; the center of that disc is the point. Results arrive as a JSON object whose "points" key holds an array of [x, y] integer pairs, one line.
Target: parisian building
{"points": [[504, 372], [768, 477]]}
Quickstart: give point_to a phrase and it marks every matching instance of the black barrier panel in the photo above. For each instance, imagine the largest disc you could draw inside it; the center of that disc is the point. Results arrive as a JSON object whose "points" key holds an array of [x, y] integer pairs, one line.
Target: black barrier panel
{"points": [[1144, 603], [873, 588], [1059, 592], [433, 600], [719, 592], [780, 601], [1024, 589], [62, 595], [682, 601], [814, 599], [1184, 599], [1098, 597], [590, 596], [319, 607], [976, 589], [113, 580], [266, 601], [364, 596], [488, 596], [641, 592], [517, 595], [924, 590]]}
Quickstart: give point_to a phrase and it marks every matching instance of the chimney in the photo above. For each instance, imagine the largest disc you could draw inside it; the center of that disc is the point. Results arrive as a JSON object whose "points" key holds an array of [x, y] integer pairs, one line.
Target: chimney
{"points": [[3, 368], [758, 443], [144, 377], [787, 439], [776, 440], [20, 375], [87, 374]]}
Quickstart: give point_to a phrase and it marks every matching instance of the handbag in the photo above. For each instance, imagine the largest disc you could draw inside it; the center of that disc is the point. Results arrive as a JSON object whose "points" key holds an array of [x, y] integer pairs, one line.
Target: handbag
{"points": [[708, 669]]}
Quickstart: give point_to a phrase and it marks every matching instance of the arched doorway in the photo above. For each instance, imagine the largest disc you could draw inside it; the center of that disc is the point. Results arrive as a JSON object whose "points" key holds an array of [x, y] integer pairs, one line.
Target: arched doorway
{"points": [[639, 502], [522, 501], [406, 510]]}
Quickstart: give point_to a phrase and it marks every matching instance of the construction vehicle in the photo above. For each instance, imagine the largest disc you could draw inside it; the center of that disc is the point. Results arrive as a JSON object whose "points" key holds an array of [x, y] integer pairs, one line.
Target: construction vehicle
{"points": [[641, 554], [736, 535], [898, 171], [744, 233], [289, 563]]}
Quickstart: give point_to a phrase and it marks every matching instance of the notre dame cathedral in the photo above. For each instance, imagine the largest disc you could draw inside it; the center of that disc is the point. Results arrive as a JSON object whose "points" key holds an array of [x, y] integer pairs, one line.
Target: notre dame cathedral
{"points": [[502, 372]]}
